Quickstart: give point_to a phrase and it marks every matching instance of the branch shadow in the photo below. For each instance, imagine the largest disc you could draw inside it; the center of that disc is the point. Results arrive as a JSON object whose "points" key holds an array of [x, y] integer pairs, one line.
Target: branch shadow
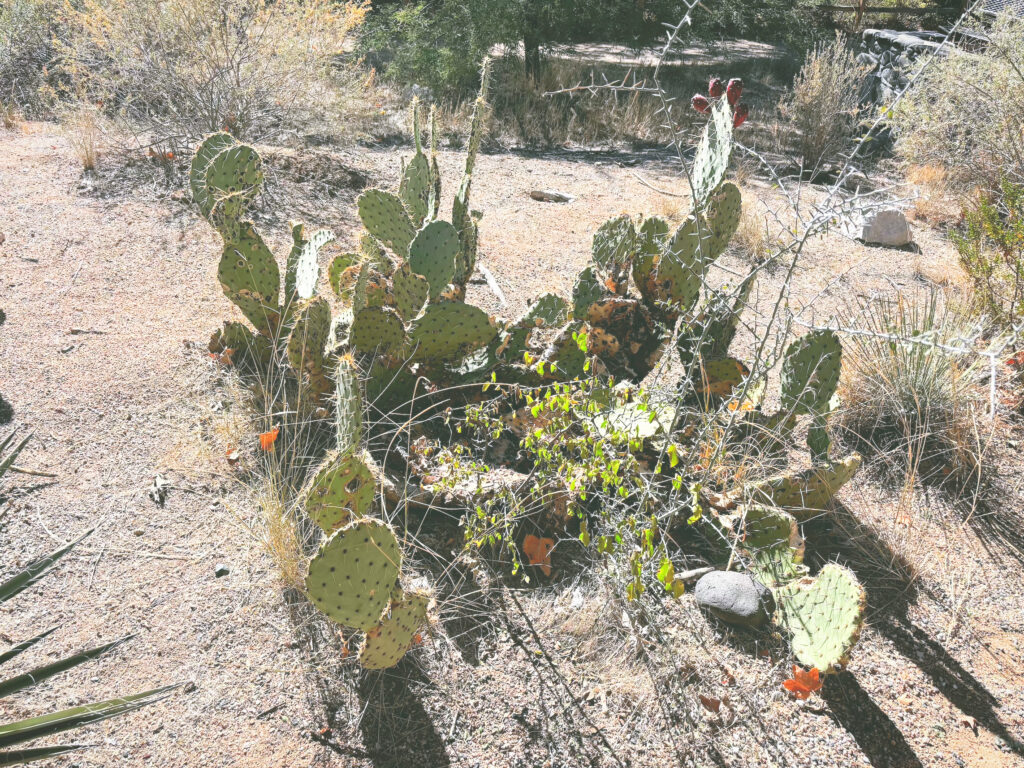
{"points": [[892, 588]]}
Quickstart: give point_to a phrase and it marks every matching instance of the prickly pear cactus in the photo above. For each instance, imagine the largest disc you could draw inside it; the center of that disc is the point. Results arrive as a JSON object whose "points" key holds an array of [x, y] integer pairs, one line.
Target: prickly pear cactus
{"points": [[433, 253], [351, 577], [723, 217], [385, 217], [448, 331], [411, 292], [586, 291], [805, 493], [210, 147], [234, 178], [386, 644], [348, 408], [772, 541], [377, 329], [342, 490], [824, 615], [712, 158], [718, 378], [307, 342], [303, 269], [810, 372], [249, 275]]}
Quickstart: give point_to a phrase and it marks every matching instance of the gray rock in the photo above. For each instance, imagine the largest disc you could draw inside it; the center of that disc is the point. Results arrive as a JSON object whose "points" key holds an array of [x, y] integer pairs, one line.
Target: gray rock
{"points": [[221, 570], [735, 598], [884, 226]]}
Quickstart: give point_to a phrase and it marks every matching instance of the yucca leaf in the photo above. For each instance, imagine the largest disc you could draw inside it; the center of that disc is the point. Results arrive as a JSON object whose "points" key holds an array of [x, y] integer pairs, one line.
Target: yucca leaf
{"points": [[35, 570], [6, 462], [7, 441], [37, 675], [22, 756], [47, 725], [24, 645]]}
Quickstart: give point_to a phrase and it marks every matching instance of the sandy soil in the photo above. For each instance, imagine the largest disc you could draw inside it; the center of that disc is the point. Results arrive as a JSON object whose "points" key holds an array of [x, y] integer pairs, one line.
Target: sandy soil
{"points": [[109, 300]]}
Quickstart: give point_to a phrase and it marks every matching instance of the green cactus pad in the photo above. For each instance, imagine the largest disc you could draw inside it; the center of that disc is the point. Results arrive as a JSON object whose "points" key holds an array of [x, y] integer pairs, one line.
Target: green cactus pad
{"points": [[804, 493], [432, 254], [411, 292], [547, 311], [233, 180], [249, 349], [341, 276], [772, 541], [348, 408], [712, 158], [342, 490], [303, 269], [415, 187], [723, 217], [308, 337], [712, 333], [386, 644], [373, 252], [385, 217], [377, 329], [720, 377], [824, 616], [615, 242], [249, 275], [680, 271], [586, 291], [389, 387], [810, 372], [565, 352], [211, 146], [449, 331], [653, 235], [351, 577]]}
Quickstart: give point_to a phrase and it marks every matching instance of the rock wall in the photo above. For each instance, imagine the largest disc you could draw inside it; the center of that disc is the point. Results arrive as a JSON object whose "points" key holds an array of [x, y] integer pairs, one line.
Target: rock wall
{"points": [[891, 56]]}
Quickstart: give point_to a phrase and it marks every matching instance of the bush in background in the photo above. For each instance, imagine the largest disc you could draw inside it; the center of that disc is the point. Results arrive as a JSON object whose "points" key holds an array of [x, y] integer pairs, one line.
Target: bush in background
{"points": [[28, 29], [823, 107], [172, 71], [991, 248], [966, 111]]}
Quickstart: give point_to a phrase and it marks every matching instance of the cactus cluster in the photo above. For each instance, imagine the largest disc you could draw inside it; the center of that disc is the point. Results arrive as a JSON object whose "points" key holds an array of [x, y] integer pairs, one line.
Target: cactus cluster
{"points": [[226, 177]]}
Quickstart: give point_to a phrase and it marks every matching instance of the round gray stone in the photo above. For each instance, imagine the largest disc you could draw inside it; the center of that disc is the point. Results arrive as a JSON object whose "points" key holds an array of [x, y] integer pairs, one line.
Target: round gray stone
{"points": [[736, 598]]}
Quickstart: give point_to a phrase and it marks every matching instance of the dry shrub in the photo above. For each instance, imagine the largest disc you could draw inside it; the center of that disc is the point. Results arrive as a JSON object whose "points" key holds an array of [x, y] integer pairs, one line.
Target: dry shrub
{"points": [[824, 106], [27, 32], [171, 71], [935, 205], [907, 397], [965, 113]]}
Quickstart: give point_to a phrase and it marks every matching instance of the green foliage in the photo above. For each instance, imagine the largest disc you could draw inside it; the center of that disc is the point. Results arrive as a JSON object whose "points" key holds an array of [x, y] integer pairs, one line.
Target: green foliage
{"points": [[991, 248], [15, 734]]}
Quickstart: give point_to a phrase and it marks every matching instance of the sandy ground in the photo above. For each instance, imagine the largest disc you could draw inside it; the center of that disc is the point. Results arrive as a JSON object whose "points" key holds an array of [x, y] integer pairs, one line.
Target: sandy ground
{"points": [[108, 299]]}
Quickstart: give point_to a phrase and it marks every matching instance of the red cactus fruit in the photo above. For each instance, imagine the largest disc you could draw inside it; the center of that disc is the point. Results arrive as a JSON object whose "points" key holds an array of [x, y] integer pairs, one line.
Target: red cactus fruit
{"points": [[700, 103], [733, 91], [716, 87], [739, 117]]}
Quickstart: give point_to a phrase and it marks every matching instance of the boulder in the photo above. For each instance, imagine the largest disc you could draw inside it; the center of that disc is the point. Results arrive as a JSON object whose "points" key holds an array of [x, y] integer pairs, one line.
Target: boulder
{"points": [[735, 598], [880, 226]]}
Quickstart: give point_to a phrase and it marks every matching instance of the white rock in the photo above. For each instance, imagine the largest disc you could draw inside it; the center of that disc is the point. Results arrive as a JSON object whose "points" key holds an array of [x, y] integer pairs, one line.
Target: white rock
{"points": [[885, 226]]}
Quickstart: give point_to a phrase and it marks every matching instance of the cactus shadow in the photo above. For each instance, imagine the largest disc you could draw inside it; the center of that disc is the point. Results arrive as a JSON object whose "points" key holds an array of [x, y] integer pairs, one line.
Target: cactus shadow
{"points": [[892, 588]]}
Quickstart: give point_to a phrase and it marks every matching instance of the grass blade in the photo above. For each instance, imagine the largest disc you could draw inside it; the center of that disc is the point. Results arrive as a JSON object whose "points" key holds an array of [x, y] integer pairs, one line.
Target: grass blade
{"points": [[57, 722], [5, 464], [35, 570], [39, 674]]}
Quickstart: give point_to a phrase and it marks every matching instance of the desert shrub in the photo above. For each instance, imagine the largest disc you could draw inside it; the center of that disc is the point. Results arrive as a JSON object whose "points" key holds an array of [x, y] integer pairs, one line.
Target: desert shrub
{"points": [[965, 113], [991, 248], [823, 107], [27, 30], [905, 389], [173, 71]]}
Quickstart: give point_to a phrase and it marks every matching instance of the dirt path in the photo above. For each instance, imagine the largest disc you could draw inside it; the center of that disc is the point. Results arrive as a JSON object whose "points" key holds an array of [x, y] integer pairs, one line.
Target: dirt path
{"points": [[105, 300]]}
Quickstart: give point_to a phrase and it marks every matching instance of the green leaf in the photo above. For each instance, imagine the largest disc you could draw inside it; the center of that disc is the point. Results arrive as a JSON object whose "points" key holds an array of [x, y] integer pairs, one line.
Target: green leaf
{"points": [[35, 570], [667, 573], [39, 674], [25, 645], [23, 756]]}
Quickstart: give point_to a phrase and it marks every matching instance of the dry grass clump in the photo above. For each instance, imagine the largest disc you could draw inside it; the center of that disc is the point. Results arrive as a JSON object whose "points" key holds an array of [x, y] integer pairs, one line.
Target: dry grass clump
{"points": [[824, 106], [84, 132], [936, 204], [907, 396]]}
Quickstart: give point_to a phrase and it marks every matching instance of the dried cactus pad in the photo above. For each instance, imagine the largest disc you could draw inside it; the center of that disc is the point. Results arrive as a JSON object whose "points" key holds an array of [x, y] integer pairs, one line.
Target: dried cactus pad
{"points": [[386, 644], [351, 577], [810, 372], [432, 254], [342, 490], [448, 331], [824, 616], [385, 217]]}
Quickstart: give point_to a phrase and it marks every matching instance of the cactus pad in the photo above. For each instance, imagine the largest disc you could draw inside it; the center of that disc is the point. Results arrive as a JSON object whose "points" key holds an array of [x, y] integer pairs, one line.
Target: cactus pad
{"points": [[342, 274], [615, 242], [810, 372], [680, 271], [712, 158], [348, 407], [386, 644], [377, 329], [804, 493], [385, 217], [432, 254], [824, 616], [721, 376], [351, 577], [447, 332], [233, 180], [772, 540], [586, 291], [303, 269], [249, 276], [211, 146], [415, 188], [342, 490], [308, 337], [411, 292], [548, 311], [723, 217]]}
